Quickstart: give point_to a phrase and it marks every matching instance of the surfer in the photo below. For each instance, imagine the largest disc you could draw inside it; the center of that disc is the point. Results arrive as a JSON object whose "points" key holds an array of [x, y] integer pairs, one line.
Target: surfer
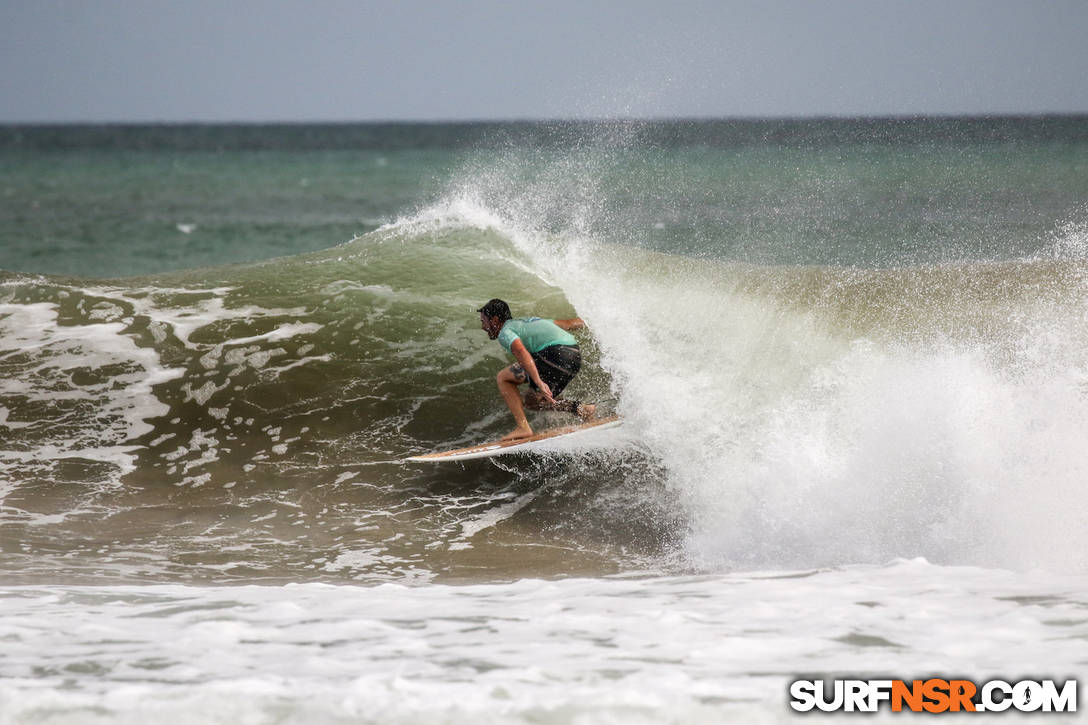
{"points": [[547, 358]]}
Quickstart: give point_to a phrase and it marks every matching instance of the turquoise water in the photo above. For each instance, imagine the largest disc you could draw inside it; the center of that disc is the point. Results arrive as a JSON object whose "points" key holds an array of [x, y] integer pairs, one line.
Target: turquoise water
{"points": [[124, 201], [103, 214], [850, 357]]}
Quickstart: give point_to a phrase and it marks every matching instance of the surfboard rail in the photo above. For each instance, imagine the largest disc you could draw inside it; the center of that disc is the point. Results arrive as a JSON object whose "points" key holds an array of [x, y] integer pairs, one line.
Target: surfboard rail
{"points": [[520, 445]]}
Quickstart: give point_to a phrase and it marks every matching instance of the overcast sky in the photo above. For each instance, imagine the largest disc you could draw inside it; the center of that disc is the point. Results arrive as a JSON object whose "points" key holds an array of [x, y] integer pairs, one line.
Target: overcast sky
{"points": [[278, 60]]}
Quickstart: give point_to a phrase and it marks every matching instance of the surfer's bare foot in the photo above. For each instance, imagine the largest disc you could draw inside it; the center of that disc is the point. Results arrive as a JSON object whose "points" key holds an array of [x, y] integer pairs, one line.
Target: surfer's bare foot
{"points": [[586, 412], [518, 434]]}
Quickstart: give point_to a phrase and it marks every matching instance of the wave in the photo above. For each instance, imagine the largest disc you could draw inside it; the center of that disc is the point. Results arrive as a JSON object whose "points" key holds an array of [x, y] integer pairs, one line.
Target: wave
{"points": [[785, 416]]}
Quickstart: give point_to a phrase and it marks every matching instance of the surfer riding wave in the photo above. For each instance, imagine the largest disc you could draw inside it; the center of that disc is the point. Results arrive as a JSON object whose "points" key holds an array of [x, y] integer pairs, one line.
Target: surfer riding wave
{"points": [[547, 358]]}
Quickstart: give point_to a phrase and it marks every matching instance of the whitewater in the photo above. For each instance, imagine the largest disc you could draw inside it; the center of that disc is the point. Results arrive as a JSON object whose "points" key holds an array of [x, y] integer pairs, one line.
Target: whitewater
{"points": [[854, 406]]}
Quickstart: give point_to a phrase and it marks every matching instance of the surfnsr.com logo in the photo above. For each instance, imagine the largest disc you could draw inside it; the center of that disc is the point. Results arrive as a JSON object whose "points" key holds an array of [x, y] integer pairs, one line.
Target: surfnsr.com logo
{"points": [[934, 695]]}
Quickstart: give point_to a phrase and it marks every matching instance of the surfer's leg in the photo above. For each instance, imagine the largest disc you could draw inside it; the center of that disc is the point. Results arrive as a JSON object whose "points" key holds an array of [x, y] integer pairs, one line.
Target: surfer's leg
{"points": [[558, 365], [508, 380]]}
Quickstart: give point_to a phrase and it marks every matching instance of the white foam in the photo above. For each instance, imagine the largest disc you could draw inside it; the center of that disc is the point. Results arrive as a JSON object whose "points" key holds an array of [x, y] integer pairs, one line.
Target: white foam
{"points": [[12, 425], [185, 310], [51, 375], [116, 411], [794, 441], [496, 514], [641, 649]]}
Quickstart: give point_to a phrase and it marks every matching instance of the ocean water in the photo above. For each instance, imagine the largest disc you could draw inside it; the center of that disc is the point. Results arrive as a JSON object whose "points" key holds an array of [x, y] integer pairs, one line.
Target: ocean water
{"points": [[851, 356]]}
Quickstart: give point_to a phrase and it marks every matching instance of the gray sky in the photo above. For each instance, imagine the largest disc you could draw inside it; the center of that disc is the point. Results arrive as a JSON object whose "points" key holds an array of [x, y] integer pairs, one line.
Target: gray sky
{"points": [[279, 60]]}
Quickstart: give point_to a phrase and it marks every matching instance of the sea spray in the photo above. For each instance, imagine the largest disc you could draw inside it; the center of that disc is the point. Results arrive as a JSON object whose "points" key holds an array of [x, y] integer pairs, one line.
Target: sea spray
{"points": [[813, 415], [820, 363], [834, 342]]}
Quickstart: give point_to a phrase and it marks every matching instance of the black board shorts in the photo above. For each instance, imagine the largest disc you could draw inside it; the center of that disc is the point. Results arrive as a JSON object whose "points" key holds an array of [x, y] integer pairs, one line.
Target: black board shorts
{"points": [[557, 365]]}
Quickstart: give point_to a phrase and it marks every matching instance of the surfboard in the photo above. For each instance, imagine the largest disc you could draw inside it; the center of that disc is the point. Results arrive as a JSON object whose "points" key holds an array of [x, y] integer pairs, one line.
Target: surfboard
{"points": [[539, 442]]}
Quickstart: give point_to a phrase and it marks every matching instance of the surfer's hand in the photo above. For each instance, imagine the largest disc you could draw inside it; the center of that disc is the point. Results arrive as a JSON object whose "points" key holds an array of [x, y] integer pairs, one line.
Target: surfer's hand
{"points": [[546, 392]]}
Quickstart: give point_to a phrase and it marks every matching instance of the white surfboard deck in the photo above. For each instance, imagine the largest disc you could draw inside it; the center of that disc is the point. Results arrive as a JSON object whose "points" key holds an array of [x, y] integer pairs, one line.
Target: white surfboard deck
{"points": [[540, 442]]}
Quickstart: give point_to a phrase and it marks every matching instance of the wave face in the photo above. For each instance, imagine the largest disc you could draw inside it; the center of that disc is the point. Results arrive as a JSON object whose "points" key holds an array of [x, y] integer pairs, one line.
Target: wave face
{"points": [[248, 422], [266, 408]]}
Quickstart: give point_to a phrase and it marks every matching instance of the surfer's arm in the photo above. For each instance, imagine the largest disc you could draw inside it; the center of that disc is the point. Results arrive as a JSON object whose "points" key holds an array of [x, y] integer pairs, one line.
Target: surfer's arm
{"points": [[574, 323], [521, 354]]}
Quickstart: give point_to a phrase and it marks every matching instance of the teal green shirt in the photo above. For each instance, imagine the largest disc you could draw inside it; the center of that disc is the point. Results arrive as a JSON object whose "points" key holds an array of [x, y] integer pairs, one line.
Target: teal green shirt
{"points": [[535, 334]]}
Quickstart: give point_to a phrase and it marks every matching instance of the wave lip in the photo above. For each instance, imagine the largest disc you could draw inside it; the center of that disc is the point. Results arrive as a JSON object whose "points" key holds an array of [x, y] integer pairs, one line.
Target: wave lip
{"points": [[786, 415]]}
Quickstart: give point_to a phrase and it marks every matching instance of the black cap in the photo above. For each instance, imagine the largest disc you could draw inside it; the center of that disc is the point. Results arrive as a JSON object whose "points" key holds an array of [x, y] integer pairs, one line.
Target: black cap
{"points": [[496, 308]]}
